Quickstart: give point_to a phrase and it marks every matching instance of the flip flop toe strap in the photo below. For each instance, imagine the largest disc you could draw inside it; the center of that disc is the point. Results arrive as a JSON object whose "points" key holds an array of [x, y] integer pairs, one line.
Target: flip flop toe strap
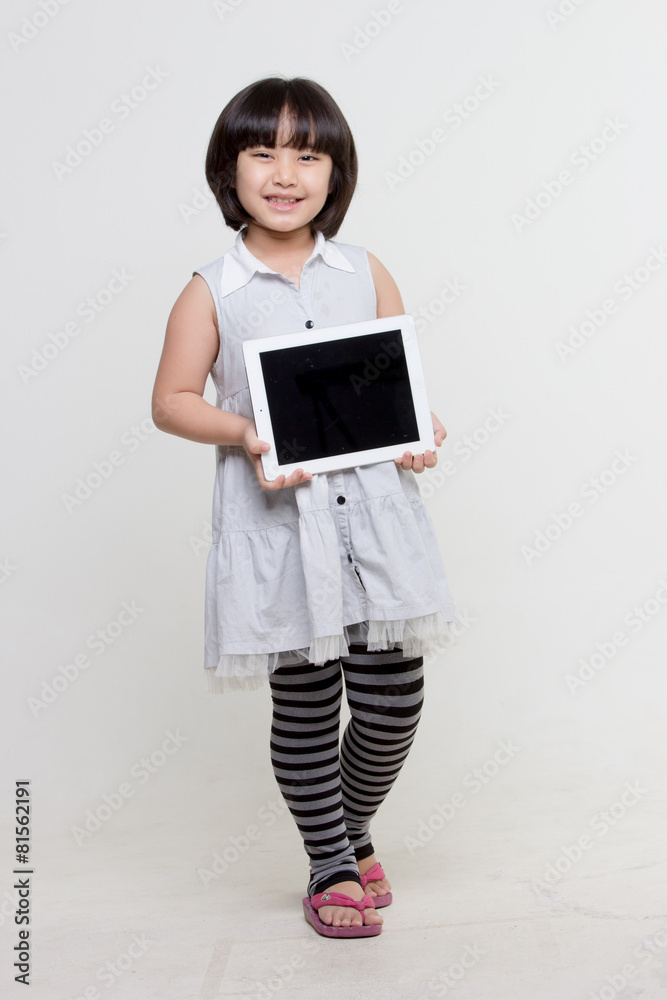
{"points": [[341, 899], [373, 874]]}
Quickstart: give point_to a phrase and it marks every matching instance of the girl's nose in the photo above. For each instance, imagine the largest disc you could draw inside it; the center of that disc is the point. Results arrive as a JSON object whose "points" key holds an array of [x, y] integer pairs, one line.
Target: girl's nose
{"points": [[284, 171]]}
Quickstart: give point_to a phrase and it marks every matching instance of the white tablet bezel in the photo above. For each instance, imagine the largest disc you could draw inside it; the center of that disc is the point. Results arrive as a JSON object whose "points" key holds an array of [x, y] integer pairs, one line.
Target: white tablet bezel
{"points": [[253, 348]]}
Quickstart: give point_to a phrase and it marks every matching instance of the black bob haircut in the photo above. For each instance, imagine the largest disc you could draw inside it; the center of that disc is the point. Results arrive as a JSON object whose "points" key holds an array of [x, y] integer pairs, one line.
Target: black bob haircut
{"points": [[251, 119]]}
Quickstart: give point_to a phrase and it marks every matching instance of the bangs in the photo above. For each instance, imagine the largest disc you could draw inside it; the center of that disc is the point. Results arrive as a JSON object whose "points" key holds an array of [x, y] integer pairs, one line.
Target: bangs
{"points": [[310, 122]]}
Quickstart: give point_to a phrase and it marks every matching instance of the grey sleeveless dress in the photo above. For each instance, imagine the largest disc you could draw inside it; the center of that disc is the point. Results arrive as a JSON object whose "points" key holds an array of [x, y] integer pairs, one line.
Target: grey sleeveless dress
{"points": [[295, 575]]}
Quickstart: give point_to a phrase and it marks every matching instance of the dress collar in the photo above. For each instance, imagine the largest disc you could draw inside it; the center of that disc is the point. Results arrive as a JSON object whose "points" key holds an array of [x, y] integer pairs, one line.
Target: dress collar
{"points": [[240, 265]]}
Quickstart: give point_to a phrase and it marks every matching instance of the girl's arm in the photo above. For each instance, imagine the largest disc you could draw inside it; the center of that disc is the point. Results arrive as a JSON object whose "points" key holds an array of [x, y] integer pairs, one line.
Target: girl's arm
{"points": [[390, 303], [191, 345]]}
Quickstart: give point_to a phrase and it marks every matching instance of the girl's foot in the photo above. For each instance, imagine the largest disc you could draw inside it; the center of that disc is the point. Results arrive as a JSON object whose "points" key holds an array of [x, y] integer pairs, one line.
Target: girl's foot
{"points": [[377, 888], [348, 916]]}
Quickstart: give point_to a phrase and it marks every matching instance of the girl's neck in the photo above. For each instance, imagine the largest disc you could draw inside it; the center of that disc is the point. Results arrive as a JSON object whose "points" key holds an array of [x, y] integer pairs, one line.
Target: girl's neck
{"points": [[262, 242]]}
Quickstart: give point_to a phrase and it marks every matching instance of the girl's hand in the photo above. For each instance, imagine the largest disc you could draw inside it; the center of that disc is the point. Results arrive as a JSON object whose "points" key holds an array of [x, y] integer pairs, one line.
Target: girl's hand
{"points": [[255, 448], [426, 461]]}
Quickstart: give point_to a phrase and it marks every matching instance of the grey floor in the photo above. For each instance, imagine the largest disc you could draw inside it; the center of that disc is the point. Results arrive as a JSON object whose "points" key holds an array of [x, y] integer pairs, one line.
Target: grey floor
{"points": [[492, 902]]}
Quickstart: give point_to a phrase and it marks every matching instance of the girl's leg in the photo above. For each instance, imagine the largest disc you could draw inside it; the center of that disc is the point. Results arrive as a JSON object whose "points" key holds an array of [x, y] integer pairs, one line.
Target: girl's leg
{"points": [[385, 693], [304, 755]]}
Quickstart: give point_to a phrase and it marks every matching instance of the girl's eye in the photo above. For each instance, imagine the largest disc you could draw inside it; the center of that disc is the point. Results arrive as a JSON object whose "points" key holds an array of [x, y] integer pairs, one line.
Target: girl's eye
{"points": [[306, 156]]}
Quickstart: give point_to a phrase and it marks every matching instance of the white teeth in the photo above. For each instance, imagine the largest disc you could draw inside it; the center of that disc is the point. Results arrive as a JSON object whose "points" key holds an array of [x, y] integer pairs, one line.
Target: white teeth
{"points": [[283, 201]]}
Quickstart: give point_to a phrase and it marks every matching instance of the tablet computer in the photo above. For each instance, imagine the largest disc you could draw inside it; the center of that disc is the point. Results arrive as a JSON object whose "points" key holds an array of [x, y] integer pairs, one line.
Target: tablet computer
{"points": [[341, 396]]}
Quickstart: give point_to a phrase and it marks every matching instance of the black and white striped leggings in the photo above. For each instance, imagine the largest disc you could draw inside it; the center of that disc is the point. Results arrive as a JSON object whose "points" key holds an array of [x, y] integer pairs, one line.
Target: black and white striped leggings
{"points": [[334, 792]]}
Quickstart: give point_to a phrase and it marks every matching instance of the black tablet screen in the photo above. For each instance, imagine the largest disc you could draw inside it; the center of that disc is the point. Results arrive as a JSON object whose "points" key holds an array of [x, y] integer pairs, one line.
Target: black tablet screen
{"points": [[339, 396]]}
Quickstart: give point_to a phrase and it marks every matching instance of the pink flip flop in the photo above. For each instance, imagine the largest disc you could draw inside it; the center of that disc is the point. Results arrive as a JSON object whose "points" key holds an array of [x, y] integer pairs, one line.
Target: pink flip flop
{"points": [[311, 905], [374, 874]]}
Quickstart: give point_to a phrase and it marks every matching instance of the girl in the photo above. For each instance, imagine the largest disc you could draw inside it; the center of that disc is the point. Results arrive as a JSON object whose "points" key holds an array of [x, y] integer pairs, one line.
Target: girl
{"points": [[309, 577]]}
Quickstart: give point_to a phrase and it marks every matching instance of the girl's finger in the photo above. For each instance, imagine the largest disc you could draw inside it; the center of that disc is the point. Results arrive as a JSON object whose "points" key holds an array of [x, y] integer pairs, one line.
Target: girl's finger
{"points": [[298, 476]]}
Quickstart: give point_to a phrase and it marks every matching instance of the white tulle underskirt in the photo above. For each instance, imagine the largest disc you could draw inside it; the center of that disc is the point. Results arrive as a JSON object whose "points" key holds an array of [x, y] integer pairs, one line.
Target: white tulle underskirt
{"points": [[421, 636]]}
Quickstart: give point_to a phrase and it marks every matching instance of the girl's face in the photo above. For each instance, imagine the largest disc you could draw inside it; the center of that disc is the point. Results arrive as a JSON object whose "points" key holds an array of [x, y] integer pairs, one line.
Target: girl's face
{"points": [[282, 188]]}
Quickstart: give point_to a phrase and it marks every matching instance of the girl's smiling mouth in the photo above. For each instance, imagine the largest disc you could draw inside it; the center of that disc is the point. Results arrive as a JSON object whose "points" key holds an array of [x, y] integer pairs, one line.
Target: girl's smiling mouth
{"points": [[282, 203]]}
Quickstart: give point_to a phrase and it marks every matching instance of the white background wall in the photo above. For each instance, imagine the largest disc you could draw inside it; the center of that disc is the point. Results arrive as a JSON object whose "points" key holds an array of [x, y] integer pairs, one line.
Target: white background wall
{"points": [[142, 536]]}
